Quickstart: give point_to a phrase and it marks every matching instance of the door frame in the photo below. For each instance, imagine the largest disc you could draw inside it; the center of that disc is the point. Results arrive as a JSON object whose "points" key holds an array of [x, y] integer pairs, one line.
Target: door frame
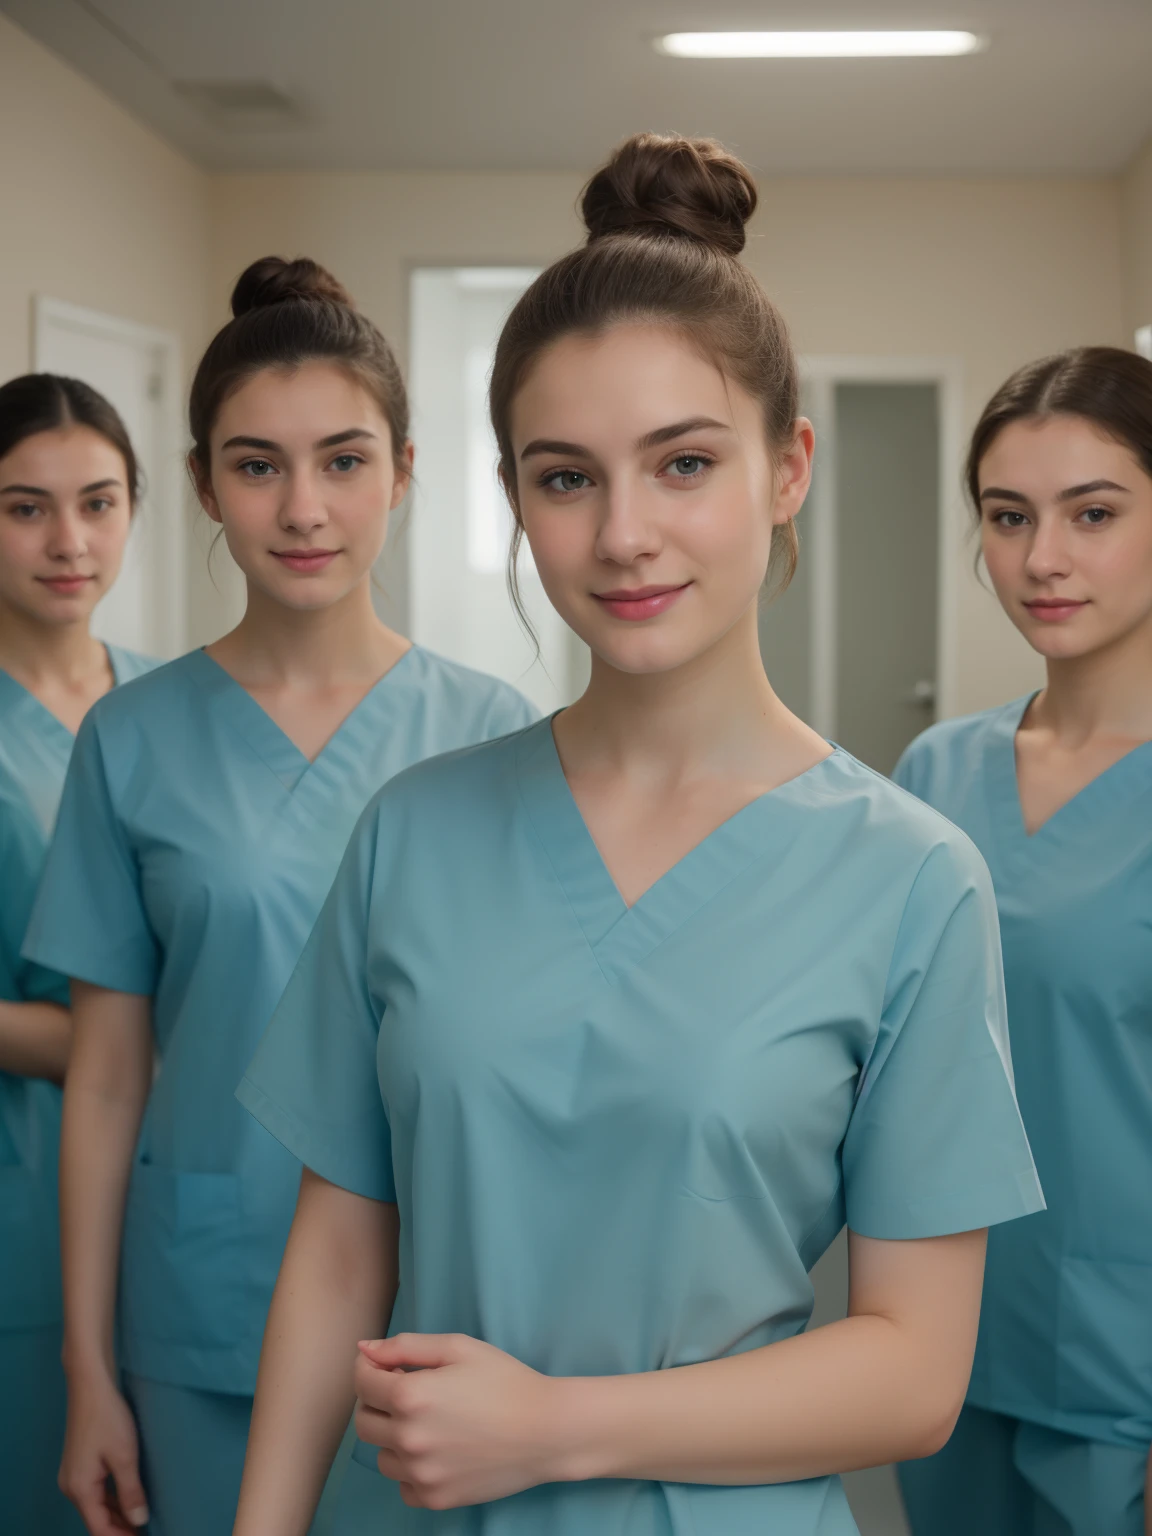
{"points": [[170, 546], [820, 374]]}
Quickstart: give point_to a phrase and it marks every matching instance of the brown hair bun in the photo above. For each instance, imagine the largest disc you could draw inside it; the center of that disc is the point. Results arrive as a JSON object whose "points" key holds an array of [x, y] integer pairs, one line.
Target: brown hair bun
{"points": [[272, 280], [663, 184]]}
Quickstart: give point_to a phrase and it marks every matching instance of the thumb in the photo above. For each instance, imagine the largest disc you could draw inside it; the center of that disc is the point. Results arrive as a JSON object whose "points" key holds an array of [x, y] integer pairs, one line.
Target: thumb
{"points": [[129, 1490], [413, 1351]]}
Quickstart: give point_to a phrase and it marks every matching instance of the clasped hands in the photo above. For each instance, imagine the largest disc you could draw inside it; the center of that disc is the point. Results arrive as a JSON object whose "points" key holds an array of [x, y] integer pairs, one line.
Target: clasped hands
{"points": [[457, 1421]]}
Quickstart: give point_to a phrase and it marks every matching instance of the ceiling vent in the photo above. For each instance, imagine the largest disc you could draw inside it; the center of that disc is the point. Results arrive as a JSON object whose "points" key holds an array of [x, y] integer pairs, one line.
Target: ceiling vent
{"points": [[242, 104]]}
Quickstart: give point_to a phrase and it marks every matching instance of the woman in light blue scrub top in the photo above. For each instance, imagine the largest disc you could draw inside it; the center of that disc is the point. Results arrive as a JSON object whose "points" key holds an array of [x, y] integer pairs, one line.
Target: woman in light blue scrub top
{"points": [[67, 490], [608, 1027], [203, 819], [1056, 790]]}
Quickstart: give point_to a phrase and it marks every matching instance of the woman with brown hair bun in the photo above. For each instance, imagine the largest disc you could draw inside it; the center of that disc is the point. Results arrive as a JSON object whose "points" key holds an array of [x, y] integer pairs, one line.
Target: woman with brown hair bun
{"points": [[607, 1028], [1056, 791], [202, 822]]}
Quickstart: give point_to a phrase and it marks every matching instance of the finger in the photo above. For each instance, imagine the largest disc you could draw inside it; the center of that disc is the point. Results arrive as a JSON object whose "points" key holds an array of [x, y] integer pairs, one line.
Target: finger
{"points": [[373, 1427], [129, 1490], [92, 1501], [413, 1351], [376, 1387]]}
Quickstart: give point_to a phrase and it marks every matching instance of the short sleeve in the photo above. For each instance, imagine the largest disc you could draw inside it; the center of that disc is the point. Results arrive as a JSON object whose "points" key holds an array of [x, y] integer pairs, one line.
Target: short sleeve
{"points": [[313, 1082], [88, 921], [935, 1143], [21, 858]]}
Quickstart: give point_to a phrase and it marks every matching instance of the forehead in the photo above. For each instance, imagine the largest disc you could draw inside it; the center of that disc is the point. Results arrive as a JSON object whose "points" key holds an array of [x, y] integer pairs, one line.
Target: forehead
{"points": [[1055, 452], [617, 385], [63, 457], [309, 402]]}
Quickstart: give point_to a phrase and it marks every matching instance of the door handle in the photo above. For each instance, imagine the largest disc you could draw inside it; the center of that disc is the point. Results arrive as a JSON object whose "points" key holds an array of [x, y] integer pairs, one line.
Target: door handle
{"points": [[923, 694]]}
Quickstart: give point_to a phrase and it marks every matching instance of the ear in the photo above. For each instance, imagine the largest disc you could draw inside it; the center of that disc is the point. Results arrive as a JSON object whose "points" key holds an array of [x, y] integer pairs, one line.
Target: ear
{"points": [[402, 472], [202, 485], [794, 472]]}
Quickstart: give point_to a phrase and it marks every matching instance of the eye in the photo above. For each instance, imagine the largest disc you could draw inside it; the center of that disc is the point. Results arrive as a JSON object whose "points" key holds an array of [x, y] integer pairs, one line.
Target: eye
{"points": [[565, 481], [24, 511], [99, 504], [1009, 517], [1096, 517], [344, 463], [687, 466], [257, 469]]}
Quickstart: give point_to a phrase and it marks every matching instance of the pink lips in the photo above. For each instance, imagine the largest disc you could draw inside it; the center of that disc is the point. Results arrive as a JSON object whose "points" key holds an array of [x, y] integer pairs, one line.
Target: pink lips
{"points": [[65, 586], [1052, 610], [305, 561], [640, 602]]}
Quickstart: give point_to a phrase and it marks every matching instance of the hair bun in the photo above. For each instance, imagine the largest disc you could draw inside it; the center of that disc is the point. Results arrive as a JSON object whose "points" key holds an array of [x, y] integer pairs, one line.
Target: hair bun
{"points": [[272, 280], [658, 183]]}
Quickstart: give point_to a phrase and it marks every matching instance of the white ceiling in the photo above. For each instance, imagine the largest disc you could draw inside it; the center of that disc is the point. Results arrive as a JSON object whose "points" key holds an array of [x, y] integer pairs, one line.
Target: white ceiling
{"points": [[1066, 85]]}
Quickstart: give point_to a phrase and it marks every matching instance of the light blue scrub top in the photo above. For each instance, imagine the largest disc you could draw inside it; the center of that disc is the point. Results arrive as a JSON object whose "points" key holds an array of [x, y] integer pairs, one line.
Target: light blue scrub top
{"points": [[1066, 1327], [194, 848], [619, 1138], [34, 750]]}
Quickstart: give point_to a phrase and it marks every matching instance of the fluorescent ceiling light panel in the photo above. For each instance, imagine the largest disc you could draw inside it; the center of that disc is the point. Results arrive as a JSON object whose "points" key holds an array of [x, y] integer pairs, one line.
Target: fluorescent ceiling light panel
{"points": [[818, 45]]}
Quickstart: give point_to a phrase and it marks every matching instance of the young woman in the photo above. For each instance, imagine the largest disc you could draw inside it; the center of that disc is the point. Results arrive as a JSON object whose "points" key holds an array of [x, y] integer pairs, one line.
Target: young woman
{"points": [[67, 490], [1056, 791], [203, 819], [606, 1028]]}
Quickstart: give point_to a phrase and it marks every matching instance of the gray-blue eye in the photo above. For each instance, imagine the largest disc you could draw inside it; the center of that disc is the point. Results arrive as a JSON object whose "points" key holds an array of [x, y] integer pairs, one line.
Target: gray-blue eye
{"points": [[259, 469], [1096, 517], [345, 462], [566, 480]]}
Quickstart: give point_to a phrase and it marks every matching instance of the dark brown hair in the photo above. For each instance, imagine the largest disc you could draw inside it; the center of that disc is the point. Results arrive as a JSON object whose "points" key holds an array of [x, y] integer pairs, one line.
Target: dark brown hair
{"points": [[1107, 386], [45, 402], [665, 220], [284, 314]]}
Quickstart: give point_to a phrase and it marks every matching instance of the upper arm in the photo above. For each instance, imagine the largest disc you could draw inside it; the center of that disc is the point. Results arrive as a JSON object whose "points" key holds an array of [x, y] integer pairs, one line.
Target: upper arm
{"points": [[928, 1287], [111, 1043], [357, 1238]]}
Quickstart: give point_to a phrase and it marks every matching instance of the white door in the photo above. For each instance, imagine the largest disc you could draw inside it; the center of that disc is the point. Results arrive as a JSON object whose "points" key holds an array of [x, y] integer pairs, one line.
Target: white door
{"points": [[137, 369]]}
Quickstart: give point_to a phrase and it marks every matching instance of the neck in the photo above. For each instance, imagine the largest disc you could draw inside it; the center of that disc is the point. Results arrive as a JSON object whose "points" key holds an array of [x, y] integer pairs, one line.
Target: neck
{"points": [[36, 652], [1106, 693], [714, 712], [344, 642]]}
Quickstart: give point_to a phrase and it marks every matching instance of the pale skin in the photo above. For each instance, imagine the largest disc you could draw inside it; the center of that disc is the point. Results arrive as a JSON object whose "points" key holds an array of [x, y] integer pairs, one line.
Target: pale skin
{"points": [[302, 477], [65, 514], [1066, 533], [638, 464]]}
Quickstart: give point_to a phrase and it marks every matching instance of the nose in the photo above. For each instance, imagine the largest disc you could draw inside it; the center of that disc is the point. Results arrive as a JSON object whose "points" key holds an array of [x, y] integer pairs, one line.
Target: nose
{"points": [[302, 508], [1049, 551], [67, 537], [627, 532]]}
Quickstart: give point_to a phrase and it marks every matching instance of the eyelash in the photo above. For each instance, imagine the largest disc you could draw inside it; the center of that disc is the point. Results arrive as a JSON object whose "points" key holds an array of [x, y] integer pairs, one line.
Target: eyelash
{"points": [[1003, 513], [247, 464], [704, 460]]}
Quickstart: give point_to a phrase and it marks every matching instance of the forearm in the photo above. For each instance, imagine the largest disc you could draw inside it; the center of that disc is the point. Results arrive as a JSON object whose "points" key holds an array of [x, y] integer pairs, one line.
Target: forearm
{"points": [[104, 1099], [336, 1286], [35, 1039]]}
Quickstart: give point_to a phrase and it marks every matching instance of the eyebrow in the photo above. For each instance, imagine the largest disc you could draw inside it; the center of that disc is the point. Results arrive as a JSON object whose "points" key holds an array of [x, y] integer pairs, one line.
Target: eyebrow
{"points": [[543, 445], [1073, 493], [350, 436], [38, 490]]}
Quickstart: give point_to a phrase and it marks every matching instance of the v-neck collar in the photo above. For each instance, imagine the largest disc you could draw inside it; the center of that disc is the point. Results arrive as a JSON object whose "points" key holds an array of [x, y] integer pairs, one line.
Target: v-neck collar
{"points": [[1119, 782], [619, 934], [23, 698], [274, 746]]}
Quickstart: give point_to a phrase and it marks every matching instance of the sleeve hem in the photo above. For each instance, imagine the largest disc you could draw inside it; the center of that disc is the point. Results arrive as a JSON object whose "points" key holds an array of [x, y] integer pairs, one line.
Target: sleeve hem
{"points": [[315, 1154], [140, 980], [966, 1211]]}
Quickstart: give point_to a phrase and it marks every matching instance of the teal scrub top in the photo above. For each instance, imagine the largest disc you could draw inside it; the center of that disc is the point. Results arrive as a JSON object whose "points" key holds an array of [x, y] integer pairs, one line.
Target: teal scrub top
{"points": [[194, 848], [619, 1138], [34, 751], [1066, 1327]]}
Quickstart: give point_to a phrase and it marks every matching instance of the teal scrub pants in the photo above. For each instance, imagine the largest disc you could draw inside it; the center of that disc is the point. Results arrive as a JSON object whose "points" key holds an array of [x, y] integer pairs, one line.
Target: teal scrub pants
{"points": [[1005, 1477], [32, 1408], [192, 1447]]}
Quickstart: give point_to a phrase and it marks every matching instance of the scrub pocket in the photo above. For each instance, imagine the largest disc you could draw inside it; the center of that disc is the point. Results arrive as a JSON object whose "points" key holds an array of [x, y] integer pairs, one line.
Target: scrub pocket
{"points": [[29, 1252], [1105, 1337], [185, 1259]]}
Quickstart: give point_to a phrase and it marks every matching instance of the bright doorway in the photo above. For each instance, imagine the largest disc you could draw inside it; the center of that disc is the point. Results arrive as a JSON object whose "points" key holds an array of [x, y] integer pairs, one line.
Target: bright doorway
{"points": [[138, 369]]}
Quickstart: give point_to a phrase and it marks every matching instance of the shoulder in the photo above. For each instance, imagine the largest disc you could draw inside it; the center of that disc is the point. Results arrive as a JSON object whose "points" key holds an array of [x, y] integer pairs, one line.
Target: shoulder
{"points": [[954, 747], [141, 705], [130, 664], [479, 696]]}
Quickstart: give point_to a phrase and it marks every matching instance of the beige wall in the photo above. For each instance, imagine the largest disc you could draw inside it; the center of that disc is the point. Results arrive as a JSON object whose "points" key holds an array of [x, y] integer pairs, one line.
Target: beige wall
{"points": [[97, 210], [1136, 212], [989, 273]]}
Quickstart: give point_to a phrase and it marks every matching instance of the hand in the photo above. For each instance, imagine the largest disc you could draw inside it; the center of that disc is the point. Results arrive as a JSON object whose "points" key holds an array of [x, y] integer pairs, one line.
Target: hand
{"points": [[99, 1442], [457, 1421]]}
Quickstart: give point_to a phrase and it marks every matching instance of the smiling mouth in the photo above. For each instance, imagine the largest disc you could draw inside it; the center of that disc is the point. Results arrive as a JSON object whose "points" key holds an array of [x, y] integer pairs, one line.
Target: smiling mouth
{"points": [[65, 583], [305, 559], [640, 602], [1053, 609]]}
